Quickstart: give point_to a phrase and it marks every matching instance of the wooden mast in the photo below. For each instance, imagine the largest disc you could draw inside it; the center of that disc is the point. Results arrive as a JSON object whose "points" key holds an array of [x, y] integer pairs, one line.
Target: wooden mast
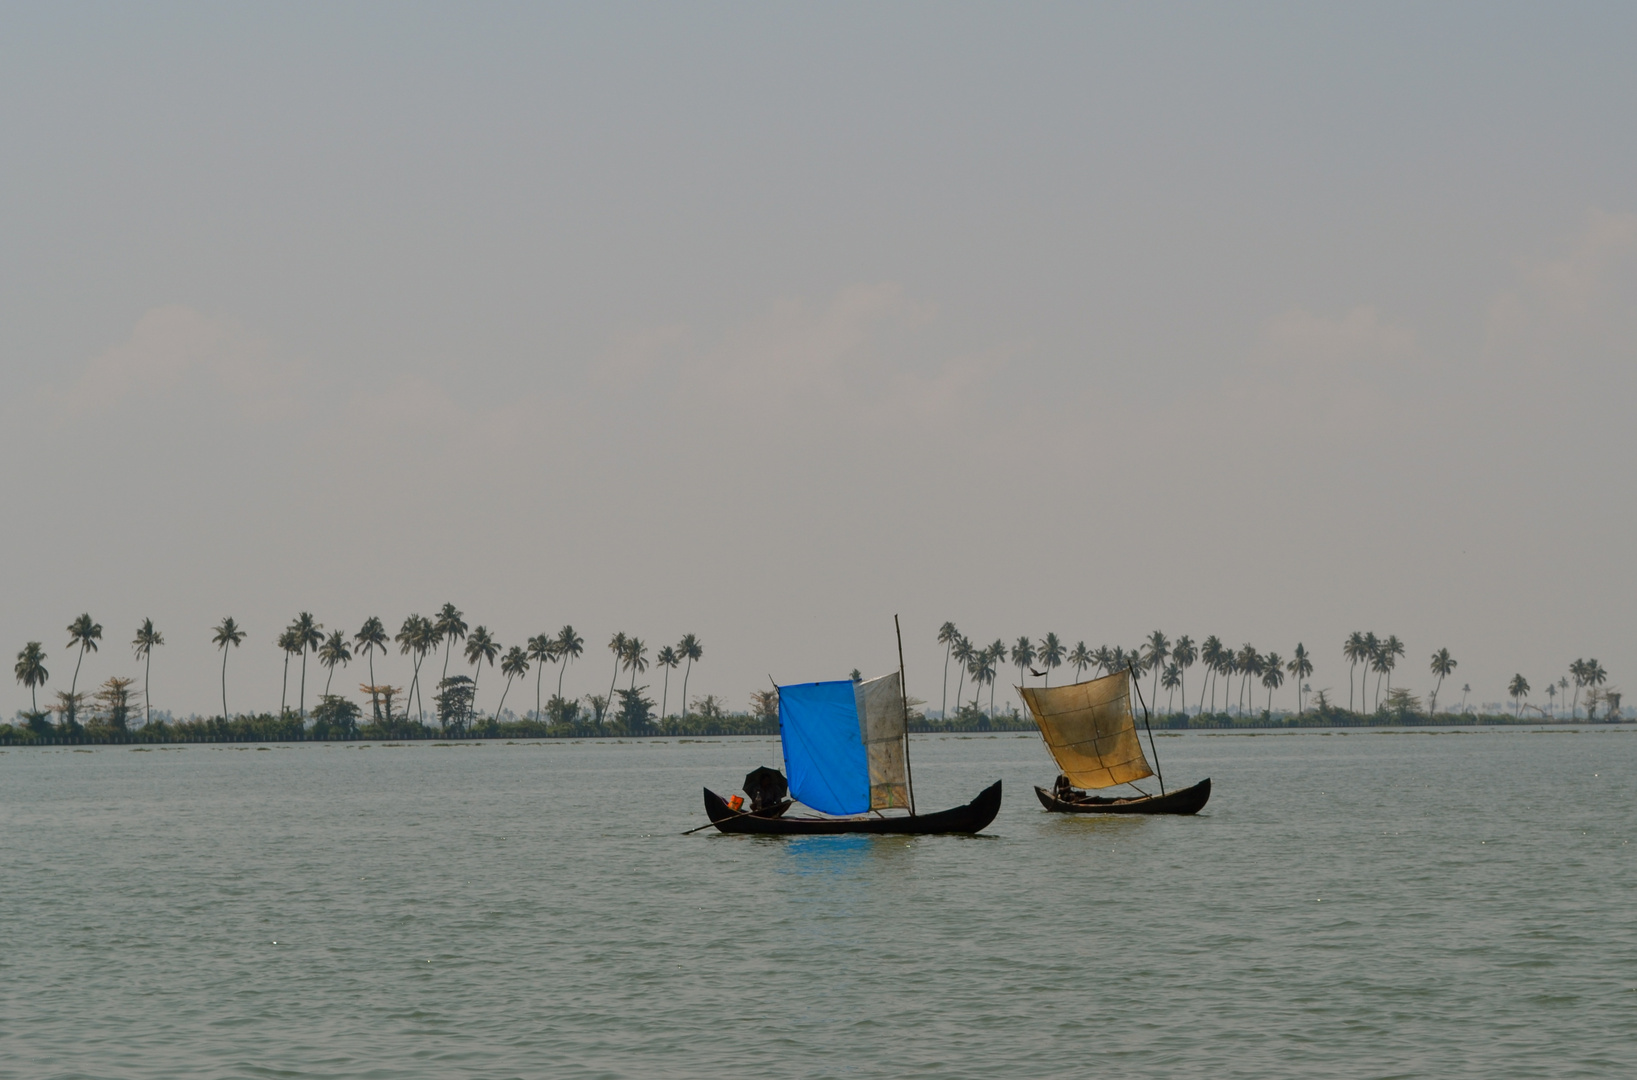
{"points": [[903, 697]]}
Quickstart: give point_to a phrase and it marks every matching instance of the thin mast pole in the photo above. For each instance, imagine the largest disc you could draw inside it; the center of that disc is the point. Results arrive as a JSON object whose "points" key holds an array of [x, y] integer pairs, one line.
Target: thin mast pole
{"points": [[903, 697], [1158, 772]]}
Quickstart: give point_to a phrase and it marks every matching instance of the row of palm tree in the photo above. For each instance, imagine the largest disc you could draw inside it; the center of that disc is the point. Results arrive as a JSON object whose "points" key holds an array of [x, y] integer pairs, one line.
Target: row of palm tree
{"points": [[1167, 662], [418, 637], [1584, 674]]}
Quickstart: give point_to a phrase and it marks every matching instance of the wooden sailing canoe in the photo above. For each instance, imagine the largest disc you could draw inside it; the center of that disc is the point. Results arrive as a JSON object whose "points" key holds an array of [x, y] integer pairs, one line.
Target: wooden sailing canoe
{"points": [[975, 816], [1188, 800]]}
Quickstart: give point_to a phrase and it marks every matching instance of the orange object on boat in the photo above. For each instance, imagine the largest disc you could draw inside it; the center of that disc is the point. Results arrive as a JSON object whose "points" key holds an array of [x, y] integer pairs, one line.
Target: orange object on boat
{"points": [[736, 802]]}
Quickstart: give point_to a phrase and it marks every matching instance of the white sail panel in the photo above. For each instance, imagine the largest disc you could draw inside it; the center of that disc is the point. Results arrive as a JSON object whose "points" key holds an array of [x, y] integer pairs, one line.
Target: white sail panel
{"points": [[881, 723], [1089, 729]]}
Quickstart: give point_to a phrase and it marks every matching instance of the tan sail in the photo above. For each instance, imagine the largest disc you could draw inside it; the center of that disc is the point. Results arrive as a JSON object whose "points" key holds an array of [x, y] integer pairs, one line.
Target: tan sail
{"points": [[1089, 729], [881, 721]]}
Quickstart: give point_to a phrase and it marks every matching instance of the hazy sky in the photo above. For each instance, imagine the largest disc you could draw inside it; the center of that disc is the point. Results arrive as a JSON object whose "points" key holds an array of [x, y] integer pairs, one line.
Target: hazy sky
{"points": [[767, 322]]}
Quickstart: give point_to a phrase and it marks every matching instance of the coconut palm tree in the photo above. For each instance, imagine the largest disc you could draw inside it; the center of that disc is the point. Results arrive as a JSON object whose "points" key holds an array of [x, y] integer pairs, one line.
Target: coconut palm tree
{"points": [[1563, 686], [1442, 664], [1022, 656], [1155, 652], [371, 639], [1080, 659], [309, 636], [479, 647], [1300, 667], [1105, 659], [1578, 670], [616, 645], [982, 669], [334, 651], [1551, 700], [1466, 688], [514, 664], [286, 642], [450, 626], [1273, 675], [947, 636], [1226, 669], [690, 650], [1391, 649], [962, 652], [1356, 652], [1519, 689], [1050, 654], [83, 634], [31, 672], [1210, 654], [635, 660], [569, 646], [668, 659], [1171, 679], [997, 657], [1183, 655], [408, 638], [227, 633], [146, 640], [542, 650], [1248, 662]]}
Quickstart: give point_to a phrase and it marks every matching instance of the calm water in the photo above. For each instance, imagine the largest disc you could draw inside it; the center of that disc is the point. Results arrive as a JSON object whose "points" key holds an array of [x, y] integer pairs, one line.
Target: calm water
{"points": [[1369, 904]]}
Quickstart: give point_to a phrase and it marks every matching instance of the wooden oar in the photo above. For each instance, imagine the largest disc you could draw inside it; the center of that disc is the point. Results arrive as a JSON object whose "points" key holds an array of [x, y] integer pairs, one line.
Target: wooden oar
{"points": [[747, 813]]}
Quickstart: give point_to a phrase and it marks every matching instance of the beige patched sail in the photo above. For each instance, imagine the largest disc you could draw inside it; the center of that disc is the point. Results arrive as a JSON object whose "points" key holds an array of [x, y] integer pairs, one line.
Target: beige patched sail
{"points": [[1089, 729], [881, 723]]}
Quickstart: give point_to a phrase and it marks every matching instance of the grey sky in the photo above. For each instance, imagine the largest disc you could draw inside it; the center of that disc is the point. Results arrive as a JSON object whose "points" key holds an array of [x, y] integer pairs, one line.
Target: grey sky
{"points": [[765, 322]]}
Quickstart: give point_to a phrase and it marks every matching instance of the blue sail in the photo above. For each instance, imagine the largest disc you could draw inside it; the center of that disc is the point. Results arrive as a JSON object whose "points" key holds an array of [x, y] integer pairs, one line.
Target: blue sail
{"points": [[824, 755]]}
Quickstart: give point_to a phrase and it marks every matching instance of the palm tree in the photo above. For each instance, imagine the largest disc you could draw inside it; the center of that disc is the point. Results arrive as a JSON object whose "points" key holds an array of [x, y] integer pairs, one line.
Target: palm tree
{"points": [[982, 669], [1563, 686], [1226, 668], [1551, 700], [408, 638], [569, 646], [690, 650], [334, 651], [1248, 663], [1273, 675], [31, 671], [1355, 650], [227, 633], [144, 643], [1442, 664], [947, 636], [1183, 655], [1391, 649], [997, 656], [1022, 656], [1210, 654], [635, 660], [449, 626], [287, 642], [1050, 654], [514, 664], [309, 636], [371, 639], [1105, 659], [1466, 688], [1519, 689], [668, 659], [1300, 667], [963, 652], [479, 647], [1171, 679], [1081, 659], [83, 634], [542, 650], [1578, 670], [1155, 652], [616, 645]]}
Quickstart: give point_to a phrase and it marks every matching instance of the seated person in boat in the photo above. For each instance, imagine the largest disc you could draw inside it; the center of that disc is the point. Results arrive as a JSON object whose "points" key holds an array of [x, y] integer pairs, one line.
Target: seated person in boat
{"points": [[1063, 791]]}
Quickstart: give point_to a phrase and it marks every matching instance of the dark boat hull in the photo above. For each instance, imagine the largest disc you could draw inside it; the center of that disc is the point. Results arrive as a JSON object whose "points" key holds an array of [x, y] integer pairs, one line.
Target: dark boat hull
{"points": [[1183, 801], [973, 817]]}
